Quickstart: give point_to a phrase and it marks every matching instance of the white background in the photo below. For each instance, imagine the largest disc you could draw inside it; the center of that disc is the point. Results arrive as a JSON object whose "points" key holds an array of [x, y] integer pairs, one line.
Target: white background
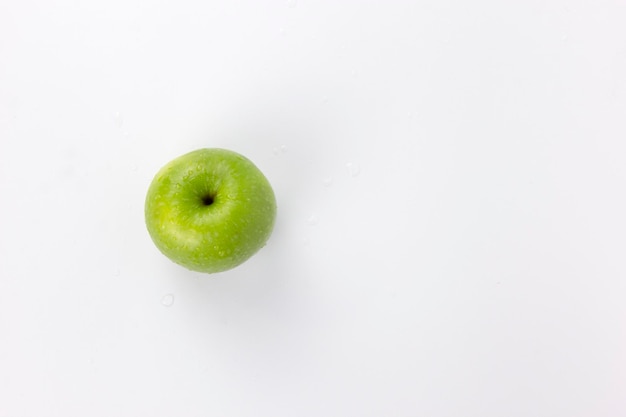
{"points": [[451, 181]]}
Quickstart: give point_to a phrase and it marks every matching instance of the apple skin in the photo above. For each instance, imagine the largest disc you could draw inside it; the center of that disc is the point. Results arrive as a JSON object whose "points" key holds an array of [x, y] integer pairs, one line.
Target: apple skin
{"points": [[210, 210]]}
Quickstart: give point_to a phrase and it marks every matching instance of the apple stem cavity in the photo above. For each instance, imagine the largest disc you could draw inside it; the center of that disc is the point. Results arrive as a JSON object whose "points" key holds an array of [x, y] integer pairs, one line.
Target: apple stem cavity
{"points": [[207, 200]]}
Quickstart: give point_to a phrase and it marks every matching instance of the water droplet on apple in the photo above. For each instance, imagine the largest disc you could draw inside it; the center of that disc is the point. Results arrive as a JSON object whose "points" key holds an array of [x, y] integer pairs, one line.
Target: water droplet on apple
{"points": [[313, 220], [167, 300], [221, 253], [353, 169], [328, 181]]}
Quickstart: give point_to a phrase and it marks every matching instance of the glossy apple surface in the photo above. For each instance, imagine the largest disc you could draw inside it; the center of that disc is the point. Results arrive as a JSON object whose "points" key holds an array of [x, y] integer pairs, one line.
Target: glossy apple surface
{"points": [[210, 210]]}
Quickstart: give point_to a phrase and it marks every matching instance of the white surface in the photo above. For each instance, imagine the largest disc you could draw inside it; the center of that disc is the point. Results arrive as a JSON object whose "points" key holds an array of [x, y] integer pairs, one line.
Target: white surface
{"points": [[469, 262]]}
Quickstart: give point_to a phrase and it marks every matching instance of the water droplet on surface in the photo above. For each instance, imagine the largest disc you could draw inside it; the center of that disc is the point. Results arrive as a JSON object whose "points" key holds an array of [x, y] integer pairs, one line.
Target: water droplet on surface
{"points": [[116, 272], [353, 73], [564, 37], [328, 181], [313, 220], [167, 300], [281, 32], [119, 121], [279, 149], [133, 167], [353, 169], [324, 100], [306, 241], [292, 3]]}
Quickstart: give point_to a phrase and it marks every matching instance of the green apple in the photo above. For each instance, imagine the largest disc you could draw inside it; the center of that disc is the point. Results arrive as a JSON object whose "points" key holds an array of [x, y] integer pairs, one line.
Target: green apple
{"points": [[210, 210]]}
